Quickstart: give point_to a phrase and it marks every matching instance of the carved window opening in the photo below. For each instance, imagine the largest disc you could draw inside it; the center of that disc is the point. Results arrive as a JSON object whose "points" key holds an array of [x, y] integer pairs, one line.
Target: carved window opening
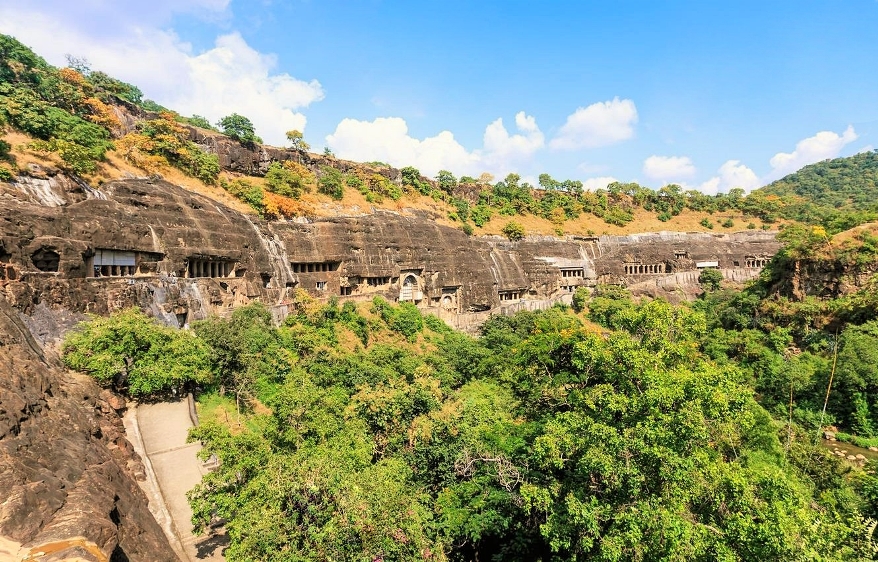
{"points": [[210, 268], [114, 263], [407, 292], [505, 296], [756, 263], [321, 285], [314, 267], [377, 281], [645, 269], [46, 260], [572, 272], [345, 291], [680, 254]]}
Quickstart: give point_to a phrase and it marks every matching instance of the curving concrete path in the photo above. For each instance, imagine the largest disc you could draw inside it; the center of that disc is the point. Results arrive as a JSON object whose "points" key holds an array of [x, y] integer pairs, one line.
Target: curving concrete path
{"points": [[158, 433]]}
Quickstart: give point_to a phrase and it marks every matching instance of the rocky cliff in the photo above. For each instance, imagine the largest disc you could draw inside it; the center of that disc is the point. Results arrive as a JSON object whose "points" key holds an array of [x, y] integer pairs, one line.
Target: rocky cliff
{"points": [[67, 473], [67, 249]]}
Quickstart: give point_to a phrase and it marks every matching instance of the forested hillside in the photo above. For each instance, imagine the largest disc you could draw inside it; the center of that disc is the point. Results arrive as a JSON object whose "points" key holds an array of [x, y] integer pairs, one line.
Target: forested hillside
{"points": [[839, 193]]}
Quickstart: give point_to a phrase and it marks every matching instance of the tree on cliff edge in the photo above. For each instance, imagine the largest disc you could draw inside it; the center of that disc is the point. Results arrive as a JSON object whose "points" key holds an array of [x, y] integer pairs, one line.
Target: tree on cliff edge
{"points": [[239, 128]]}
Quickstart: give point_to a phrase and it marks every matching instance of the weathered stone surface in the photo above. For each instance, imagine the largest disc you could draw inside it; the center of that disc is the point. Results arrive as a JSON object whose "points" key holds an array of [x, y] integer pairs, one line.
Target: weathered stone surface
{"points": [[64, 463], [195, 256]]}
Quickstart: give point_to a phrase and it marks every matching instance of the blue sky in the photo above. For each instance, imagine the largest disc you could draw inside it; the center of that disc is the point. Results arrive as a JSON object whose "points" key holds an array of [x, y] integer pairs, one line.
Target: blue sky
{"points": [[711, 95]]}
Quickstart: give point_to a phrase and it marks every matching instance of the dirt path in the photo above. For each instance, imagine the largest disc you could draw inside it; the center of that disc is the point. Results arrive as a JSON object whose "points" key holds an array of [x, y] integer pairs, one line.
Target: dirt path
{"points": [[158, 432]]}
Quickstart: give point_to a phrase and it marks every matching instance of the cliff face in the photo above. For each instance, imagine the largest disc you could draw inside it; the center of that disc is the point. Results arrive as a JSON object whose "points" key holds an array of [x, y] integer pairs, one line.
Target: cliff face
{"points": [[67, 473], [67, 250], [66, 247]]}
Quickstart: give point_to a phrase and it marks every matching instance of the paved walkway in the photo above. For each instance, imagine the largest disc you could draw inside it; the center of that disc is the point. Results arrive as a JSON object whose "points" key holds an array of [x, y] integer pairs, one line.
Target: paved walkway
{"points": [[159, 433]]}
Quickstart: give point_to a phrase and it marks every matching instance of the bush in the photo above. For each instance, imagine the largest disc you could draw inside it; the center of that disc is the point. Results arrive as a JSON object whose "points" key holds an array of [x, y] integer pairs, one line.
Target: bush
{"points": [[289, 179], [331, 182], [246, 192], [710, 279], [467, 228], [706, 223], [580, 298], [513, 231], [6, 174], [728, 223], [481, 214], [134, 354]]}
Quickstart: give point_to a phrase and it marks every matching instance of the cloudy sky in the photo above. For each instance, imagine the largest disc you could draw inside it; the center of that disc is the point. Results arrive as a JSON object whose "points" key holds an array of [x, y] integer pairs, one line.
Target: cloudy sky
{"points": [[711, 95]]}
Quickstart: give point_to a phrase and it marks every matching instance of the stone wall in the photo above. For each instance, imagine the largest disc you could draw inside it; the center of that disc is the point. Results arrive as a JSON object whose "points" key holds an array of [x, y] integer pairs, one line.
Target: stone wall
{"points": [[192, 256]]}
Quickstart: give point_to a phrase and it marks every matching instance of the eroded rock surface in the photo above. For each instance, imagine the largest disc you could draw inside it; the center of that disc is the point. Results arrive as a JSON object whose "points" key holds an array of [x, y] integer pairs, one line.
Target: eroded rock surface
{"points": [[66, 470]]}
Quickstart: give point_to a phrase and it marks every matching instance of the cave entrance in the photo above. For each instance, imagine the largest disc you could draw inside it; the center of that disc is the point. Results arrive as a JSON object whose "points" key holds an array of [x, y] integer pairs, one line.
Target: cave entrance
{"points": [[46, 260]]}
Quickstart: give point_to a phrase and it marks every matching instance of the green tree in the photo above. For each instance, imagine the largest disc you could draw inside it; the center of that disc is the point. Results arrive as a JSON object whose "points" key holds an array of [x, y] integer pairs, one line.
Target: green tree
{"points": [[297, 141], [513, 231], [239, 128], [136, 355], [446, 181], [710, 279]]}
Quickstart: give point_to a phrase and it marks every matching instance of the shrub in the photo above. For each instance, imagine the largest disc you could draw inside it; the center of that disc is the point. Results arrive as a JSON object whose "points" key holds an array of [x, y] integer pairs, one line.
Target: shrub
{"points": [[247, 192], [6, 174], [331, 182], [467, 228], [289, 179], [133, 353], [481, 214], [728, 223], [710, 279], [706, 223], [580, 299], [513, 231]]}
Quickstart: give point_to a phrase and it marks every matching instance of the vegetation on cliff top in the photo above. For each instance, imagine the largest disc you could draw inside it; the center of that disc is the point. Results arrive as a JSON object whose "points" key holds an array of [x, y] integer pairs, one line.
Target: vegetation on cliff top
{"points": [[70, 112]]}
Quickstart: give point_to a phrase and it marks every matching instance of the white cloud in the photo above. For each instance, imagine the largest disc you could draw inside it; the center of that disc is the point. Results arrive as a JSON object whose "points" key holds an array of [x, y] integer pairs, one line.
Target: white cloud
{"points": [[823, 145], [668, 168], [131, 45], [867, 148], [732, 174], [599, 124], [387, 139], [593, 184]]}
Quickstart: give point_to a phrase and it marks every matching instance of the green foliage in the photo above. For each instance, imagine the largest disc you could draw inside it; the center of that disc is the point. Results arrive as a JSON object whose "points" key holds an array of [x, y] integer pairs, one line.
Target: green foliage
{"points": [[446, 181], [706, 223], [838, 194], [136, 355], [287, 181], [199, 121], [710, 279], [246, 192], [513, 231], [331, 182], [165, 137], [297, 141], [6, 174], [481, 214], [580, 298], [411, 177], [728, 223], [405, 319], [239, 128]]}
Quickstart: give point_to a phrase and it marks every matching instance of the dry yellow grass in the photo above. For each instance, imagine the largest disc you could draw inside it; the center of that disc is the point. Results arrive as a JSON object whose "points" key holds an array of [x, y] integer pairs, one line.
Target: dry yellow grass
{"points": [[313, 204], [644, 221]]}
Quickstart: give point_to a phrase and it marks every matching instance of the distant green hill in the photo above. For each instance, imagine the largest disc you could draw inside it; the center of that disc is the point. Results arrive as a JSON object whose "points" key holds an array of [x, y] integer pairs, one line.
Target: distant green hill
{"points": [[839, 193]]}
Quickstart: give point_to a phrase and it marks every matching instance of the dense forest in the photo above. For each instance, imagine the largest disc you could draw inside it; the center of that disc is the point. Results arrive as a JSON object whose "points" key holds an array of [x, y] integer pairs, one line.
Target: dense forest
{"points": [[69, 113], [614, 429]]}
